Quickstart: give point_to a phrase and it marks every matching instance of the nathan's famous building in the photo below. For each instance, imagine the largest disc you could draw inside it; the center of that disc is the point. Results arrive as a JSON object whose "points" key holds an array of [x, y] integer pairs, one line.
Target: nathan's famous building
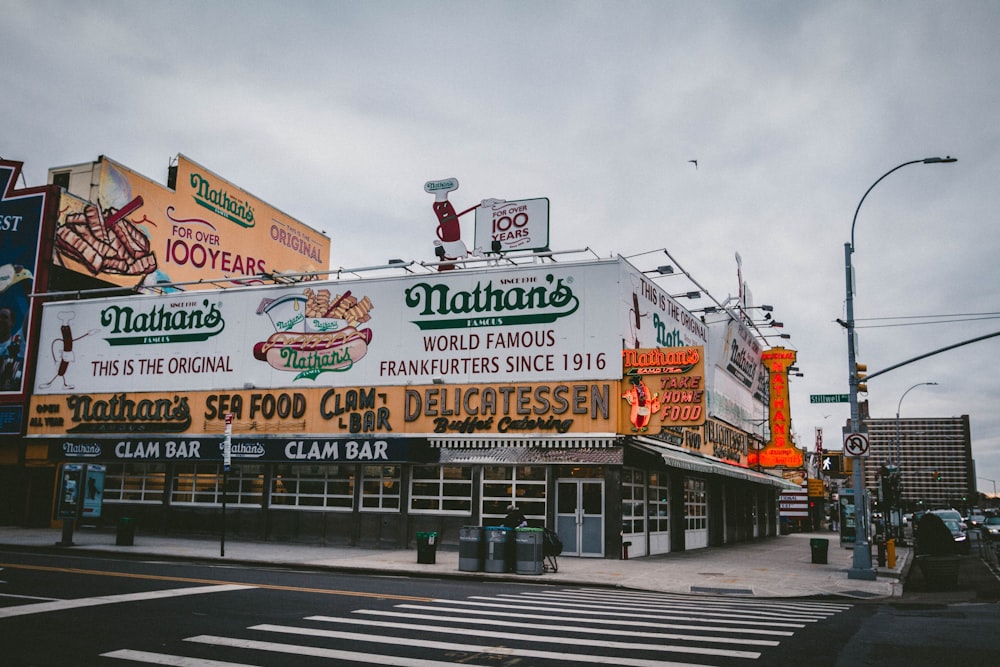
{"points": [[360, 411]]}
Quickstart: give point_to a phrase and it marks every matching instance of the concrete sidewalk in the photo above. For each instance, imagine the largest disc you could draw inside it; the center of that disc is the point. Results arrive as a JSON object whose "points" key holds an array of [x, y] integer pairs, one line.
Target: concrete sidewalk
{"points": [[772, 567]]}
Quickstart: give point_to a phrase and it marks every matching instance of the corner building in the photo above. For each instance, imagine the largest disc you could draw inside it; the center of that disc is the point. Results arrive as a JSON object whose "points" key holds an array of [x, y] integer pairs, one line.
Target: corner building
{"points": [[360, 411]]}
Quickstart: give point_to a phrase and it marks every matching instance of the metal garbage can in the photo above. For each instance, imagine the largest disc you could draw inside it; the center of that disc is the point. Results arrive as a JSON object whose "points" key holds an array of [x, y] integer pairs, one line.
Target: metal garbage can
{"points": [[471, 549], [125, 532], [497, 550], [819, 547], [528, 557], [427, 548]]}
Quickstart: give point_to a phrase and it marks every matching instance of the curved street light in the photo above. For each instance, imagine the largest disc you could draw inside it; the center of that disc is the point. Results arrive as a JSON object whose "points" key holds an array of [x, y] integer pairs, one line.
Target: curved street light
{"points": [[899, 459], [861, 566]]}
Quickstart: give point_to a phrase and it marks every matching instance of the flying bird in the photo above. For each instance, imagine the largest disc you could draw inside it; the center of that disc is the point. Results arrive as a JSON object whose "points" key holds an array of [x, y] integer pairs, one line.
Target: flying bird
{"points": [[694, 162]]}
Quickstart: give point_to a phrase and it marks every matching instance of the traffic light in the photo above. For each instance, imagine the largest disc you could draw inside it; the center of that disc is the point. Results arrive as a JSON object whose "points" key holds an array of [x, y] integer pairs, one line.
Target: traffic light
{"points": [[936, 476], [860, 373]]}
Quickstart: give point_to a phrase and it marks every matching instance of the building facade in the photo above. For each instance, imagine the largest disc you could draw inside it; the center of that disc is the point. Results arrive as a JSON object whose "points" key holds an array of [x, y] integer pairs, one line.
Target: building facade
{"points": [[934, 455], [361, 411]]}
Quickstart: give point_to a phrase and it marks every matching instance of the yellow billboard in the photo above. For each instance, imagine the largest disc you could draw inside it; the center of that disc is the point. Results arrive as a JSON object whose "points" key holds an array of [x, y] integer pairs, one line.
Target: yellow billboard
{"points": [[129, 230], [513, 409]]}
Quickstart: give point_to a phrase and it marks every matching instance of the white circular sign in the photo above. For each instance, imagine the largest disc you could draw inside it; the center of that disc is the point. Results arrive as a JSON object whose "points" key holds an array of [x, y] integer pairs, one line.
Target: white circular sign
{"points": [[856, 444]]}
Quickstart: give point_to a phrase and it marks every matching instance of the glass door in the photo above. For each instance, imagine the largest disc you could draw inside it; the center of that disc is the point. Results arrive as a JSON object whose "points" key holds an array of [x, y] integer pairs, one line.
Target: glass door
{"points": [[580, 516]]}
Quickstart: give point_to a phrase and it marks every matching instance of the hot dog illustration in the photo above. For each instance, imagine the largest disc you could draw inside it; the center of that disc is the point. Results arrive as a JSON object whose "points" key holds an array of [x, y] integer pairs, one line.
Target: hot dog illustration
{"points": [[315, 332]]}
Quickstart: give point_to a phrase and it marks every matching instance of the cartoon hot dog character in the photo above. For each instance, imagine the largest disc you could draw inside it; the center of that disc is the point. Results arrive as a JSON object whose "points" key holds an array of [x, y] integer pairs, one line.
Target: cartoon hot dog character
{"points": [[315, 332]]}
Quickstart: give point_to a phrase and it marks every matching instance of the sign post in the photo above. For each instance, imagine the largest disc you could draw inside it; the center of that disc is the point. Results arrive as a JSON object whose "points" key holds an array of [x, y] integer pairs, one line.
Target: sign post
{"points": [[227, 448]]}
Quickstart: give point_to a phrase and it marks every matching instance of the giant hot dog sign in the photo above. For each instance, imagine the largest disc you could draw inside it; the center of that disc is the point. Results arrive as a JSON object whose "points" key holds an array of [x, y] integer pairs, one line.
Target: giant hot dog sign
{"points": [[535, 323]]}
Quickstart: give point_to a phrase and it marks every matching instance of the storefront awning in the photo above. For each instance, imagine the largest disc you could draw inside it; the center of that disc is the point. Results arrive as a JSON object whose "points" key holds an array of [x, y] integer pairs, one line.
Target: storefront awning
{"points": [[678, 457], [546, 442]]}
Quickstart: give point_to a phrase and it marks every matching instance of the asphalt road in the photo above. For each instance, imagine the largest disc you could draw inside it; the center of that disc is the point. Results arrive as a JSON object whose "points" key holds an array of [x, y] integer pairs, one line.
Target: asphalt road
{"points": [[83, 610]]}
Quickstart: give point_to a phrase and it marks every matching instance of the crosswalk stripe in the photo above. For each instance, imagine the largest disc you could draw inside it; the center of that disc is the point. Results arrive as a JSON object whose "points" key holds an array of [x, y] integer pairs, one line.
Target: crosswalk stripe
{"points": [[815, 613], [497, 650], [318, 652], [170, 660], [708, 611], [604, 621], [498, 602], [495, 634], [572, 627], [729, 601]]}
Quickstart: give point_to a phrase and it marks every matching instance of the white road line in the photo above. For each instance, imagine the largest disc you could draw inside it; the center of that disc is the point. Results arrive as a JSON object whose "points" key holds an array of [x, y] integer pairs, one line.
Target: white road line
{"points": [[171, 660], [632, 623], [549, 639], [513, 636], [772, 606], [60, 605], [570, 626], [692, 618], [775, 612], [318, 652], [576, 658], [733, 601], [692, 610], [25, 597]]}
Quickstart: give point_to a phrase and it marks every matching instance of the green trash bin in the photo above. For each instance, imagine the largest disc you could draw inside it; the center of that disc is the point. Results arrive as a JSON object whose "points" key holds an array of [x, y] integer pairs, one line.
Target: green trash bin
{"points": [[819, 547], [427, 548], [125, 533]]}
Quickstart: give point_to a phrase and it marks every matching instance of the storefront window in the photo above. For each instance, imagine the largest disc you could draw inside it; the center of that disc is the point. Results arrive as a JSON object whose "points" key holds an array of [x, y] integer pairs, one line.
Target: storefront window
{"points": [[197, 483], [245, 484], [134, 482], [659, 503], [380, 486], [313, 486], [633, 501], [441, 489], [523, 486], [695, 504]]}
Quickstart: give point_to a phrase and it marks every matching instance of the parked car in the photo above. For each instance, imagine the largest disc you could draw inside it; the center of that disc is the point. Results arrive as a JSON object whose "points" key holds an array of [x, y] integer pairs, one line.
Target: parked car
{"points": [[957, 529], [991, 528]]}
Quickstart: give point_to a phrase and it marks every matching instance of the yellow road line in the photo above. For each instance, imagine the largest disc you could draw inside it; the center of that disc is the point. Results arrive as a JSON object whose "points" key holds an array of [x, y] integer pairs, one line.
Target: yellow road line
{"points": [[156, 577]]}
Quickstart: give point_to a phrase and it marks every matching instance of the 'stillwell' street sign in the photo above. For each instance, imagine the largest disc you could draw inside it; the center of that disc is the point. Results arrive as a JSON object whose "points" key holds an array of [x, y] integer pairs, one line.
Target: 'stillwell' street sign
{"points": [[828, 398]]}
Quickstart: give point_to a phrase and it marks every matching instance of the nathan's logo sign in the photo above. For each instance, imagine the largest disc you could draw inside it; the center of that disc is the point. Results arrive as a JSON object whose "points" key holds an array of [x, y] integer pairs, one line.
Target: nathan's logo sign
{"points": [[120, 414], [315, 332], [179, 322], [220, 202], [665, 388], [515, 301], [780, 451]]}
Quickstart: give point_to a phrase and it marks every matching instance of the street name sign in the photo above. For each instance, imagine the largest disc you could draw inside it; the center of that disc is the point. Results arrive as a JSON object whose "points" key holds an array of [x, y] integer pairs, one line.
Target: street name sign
{"points": [[829, 398]]}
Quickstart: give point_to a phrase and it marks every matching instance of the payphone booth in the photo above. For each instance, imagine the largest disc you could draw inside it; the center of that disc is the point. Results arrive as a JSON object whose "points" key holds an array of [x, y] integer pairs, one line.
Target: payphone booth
{"points": [[848, 518], [81, 495]]}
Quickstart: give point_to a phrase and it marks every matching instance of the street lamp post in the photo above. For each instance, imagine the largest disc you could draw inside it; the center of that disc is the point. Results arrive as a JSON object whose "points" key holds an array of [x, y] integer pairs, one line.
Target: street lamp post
{"points": [[899, 458], [861, 565]]}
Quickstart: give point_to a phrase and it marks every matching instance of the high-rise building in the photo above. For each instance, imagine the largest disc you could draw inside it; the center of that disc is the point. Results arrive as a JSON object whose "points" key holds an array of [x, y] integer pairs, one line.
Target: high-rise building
{"points": [[934, 455]]}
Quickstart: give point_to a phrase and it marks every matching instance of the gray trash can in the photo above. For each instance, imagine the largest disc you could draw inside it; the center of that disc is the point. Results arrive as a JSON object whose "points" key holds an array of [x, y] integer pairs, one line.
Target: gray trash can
{"points": [[528, 551], [818, 547], [471, 549], [125, 532], [497, 551], [427, 548]]}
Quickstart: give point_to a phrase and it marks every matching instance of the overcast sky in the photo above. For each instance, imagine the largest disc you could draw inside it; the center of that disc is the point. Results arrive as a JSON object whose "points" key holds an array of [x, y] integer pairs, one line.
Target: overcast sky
{"points": [[338, 112]]}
